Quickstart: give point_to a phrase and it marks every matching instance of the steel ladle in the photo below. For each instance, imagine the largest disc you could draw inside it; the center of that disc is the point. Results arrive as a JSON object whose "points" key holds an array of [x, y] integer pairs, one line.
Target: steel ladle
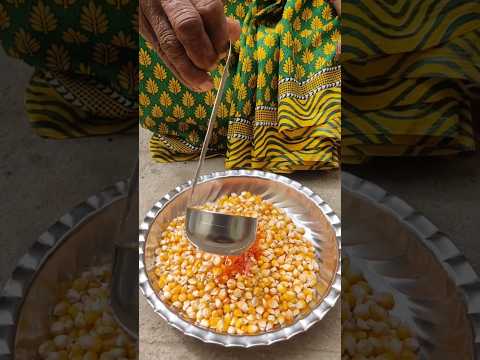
{"points": [[214, 232]]}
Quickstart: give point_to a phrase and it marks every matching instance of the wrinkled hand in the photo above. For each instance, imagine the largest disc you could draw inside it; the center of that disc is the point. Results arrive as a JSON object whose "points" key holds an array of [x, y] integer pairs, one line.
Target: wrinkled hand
{"points": [[190, 36], [337, 4]]}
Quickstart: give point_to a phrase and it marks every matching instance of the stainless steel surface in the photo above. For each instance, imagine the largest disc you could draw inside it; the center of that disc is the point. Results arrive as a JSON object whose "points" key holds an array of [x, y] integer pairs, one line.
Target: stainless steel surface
{"points": [[213, 232], [398, 250], [124, 289], [79, 239], [220, 233], [305, 207]]}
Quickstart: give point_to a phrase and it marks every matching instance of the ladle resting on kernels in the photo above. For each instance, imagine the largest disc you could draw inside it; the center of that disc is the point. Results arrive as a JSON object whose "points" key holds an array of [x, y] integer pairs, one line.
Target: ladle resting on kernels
{"points": [[269, 286]]}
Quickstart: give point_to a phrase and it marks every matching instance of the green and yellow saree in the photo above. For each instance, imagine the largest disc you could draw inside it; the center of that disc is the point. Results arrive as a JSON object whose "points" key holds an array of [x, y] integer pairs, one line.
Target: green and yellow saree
{"points": [[281, 110], [84, 54]]}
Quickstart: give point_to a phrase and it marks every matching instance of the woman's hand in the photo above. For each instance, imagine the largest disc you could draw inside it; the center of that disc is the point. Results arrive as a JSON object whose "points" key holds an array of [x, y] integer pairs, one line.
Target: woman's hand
{"points": [[337, 4], [190, 36]]}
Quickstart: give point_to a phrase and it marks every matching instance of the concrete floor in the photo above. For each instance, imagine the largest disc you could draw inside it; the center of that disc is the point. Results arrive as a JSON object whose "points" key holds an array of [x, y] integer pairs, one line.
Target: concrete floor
{"points": [[42, 179], [160, 341], [446, 191]]}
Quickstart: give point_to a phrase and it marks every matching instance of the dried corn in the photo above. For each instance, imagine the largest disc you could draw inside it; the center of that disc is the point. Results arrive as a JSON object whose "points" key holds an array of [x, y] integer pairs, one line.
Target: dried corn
{"points": [[369, 331], [82, 326], [270, 287]]}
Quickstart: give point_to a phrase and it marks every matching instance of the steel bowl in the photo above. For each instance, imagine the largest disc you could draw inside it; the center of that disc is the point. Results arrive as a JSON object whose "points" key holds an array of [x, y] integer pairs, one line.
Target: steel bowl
{"points": [[79, 239], [305, 208], [398, 250]]}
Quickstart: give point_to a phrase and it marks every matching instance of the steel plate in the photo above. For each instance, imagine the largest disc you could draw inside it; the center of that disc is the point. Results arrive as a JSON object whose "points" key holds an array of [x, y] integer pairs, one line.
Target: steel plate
{"points": [[79, 239], [399, 250], [305, 208]]}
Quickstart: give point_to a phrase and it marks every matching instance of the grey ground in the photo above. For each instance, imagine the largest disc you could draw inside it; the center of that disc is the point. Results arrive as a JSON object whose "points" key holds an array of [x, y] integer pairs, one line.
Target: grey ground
{"points": [[41, 179], [447, 191]]}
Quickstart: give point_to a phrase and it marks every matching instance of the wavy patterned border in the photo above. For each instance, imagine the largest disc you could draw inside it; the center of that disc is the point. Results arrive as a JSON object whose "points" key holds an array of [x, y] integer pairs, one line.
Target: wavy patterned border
{"points": [[324, 79], [447, 254], [24, 274], [206, 336]]}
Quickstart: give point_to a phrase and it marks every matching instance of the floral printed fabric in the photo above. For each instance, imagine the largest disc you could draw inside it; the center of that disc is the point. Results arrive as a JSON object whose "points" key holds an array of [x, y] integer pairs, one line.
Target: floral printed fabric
{"points": [[75, 36], [84, 53], [281, 109]]}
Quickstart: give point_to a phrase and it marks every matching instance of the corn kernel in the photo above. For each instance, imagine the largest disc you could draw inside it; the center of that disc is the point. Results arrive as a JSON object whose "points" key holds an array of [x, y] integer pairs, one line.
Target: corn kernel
{"points": [[71, 325], [252, 329], [249, 301], [368, 330]]}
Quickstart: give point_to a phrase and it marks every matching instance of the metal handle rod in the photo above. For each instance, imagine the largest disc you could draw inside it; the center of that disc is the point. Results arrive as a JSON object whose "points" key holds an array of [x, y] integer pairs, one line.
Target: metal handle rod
{"points": [[132, 187], [211, 121], [123, 236]]}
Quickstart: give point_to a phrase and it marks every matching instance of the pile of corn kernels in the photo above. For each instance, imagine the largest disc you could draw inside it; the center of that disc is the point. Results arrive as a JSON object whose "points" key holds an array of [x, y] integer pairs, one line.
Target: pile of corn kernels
{"points": [[271, 285], [369, 330], [83, 327]]}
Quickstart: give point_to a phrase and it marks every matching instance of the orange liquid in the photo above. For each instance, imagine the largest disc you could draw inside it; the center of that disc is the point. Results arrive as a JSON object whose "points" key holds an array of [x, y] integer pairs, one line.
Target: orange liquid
{"points": [[233, 265]]}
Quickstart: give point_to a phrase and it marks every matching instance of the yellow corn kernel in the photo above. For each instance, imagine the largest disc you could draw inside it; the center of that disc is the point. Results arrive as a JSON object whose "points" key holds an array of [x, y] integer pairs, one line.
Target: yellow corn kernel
{"points": [[80, 284], [289, 296], [226, 308], [91, 317], [161, 283], [231, 283], [272, 303], [213, 321], [301, 304], [209, 286], [227, 319], [252, 329], [238, 323], [216, 271]]}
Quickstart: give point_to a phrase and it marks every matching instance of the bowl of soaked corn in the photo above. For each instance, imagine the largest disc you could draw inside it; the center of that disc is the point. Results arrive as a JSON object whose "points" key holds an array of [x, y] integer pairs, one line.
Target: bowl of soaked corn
{"points": [[56, 304], [407, 292], [281, 286]]}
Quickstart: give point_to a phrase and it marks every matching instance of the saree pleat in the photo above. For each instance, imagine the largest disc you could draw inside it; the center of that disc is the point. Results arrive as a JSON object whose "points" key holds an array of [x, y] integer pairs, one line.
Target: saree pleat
{"points": [[282, 107], [86, 78]]}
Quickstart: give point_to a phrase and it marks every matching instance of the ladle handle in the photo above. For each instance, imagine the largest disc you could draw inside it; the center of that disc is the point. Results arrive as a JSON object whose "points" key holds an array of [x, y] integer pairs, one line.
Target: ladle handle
{"points": [[129, 214], [211, 121]]}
